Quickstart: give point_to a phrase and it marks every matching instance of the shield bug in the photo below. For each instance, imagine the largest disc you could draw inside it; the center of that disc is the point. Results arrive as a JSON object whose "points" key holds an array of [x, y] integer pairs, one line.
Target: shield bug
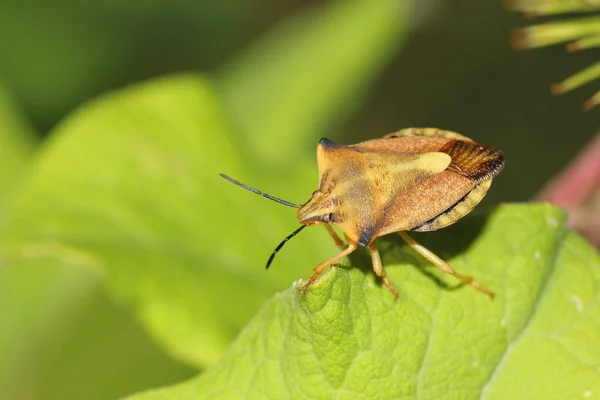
{"points": [[416, 179]]}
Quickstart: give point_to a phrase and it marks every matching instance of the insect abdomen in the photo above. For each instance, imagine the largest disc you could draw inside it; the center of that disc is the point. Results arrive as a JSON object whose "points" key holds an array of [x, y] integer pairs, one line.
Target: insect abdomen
{"points": [[457, 211]]}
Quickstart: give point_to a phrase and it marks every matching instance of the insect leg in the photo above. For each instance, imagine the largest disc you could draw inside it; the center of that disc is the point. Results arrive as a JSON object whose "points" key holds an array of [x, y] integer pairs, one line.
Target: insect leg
{"points": [[321, 267], [441, 264], [378, 268], [338, 242]]}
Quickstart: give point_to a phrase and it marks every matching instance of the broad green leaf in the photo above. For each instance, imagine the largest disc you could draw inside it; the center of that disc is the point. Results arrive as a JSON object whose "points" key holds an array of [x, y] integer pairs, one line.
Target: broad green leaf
{"points": [[37, 304], [56, 318], [20, 314], [347, 338], [131, 182], [129, 185], [106, 336], [44, 304], [309, 72], [16, 146]]}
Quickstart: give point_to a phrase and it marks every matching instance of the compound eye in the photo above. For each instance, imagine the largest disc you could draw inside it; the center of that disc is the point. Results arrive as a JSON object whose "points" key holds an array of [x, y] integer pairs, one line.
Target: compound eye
{"points": [[326, 218]]}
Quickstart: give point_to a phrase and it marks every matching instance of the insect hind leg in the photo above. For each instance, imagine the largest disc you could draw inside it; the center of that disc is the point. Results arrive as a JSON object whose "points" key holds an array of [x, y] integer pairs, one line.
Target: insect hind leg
{"points": [[442, 265]]}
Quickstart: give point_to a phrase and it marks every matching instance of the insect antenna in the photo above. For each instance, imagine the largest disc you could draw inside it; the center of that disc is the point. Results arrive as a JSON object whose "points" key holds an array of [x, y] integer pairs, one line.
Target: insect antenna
{"points": [[268, 196], [284, 241]]}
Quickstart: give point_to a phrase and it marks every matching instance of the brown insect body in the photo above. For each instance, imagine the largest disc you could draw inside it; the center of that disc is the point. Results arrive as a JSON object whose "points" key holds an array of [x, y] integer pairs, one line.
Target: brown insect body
{"points": [[419, 179]]}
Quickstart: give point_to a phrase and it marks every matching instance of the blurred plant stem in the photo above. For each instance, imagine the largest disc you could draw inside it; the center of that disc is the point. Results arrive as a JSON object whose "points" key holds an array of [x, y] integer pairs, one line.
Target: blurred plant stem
{"points": [[577, 189]]}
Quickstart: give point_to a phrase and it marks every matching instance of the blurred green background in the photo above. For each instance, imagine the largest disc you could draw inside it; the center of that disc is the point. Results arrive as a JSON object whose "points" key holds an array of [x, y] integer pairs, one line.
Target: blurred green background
{"points": [[455, 71]]}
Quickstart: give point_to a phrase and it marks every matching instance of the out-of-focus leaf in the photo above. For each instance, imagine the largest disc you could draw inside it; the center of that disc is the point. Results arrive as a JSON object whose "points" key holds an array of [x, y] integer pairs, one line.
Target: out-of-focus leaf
{"points": [[43, 305], [62, 338], [348, 338], [56, 56], [38, 302], [130, 186], [309, 72], [131, 183], [105, 355], [16, 146], [18, 309]]}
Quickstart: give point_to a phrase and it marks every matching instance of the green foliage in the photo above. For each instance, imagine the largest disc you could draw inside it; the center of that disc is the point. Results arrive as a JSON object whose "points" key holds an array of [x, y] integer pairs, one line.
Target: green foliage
{"points": [[348, 338], [129, 186], [321, 62], [126, 192], [125, 197], [16, 146], [582, 33], [42, 298]]}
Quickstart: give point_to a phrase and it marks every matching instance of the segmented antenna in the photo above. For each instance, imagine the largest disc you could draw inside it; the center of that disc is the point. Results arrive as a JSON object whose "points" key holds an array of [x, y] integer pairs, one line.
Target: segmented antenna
{"points": [[281, 245], [251, 189]]}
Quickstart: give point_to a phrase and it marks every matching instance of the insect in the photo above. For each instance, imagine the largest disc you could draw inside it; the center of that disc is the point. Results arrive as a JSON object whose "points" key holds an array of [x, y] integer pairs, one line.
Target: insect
{"points": [[416, 179]]}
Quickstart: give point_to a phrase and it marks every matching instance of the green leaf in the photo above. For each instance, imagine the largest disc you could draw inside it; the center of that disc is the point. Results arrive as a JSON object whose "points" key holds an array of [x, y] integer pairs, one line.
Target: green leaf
{"points": [[130, 185], [16, 146], [127, 185], [310, 72], [56, 318], [105, 335], [44, 304], [348, 338], [37, 305], [21, 314]]}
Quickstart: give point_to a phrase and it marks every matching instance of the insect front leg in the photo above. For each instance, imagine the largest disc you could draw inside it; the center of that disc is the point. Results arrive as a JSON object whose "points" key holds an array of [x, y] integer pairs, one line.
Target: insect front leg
{"points": [[378, 268], [442, 265], [330, 261]]}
